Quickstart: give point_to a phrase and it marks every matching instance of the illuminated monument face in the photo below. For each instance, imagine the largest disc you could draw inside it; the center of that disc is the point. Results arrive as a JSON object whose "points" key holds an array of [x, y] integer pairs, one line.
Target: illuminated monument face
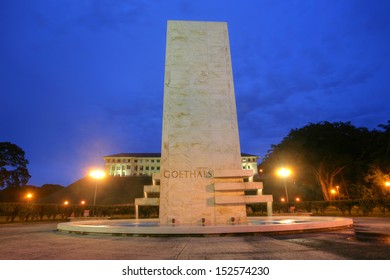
{"points": [[201, 174]]}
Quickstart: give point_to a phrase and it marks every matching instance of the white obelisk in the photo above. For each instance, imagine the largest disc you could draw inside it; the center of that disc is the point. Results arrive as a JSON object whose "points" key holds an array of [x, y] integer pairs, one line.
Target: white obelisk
{"points": [[201, 173]]}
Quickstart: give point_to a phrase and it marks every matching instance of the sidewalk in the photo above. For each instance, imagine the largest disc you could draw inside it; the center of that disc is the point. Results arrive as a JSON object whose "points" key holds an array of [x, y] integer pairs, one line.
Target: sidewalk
{"points": [[368, 239]]}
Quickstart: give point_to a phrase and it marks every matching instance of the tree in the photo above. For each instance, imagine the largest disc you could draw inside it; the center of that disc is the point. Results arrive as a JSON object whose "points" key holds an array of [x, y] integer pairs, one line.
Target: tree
{"points": [[13, 166], [382, 156], [324, 155], [377, 180]]}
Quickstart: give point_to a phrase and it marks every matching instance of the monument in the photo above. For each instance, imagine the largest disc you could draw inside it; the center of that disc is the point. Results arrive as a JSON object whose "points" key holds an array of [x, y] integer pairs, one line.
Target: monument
{"points": [[201, 185], [201, 178]]}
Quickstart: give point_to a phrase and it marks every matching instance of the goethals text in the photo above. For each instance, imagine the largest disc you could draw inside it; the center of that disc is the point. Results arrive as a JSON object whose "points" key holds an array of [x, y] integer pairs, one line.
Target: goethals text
{"points": [[187, 174]]}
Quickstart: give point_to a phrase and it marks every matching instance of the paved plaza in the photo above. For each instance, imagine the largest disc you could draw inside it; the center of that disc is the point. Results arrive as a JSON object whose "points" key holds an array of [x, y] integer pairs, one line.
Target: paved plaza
{"points": [[369, 238]]}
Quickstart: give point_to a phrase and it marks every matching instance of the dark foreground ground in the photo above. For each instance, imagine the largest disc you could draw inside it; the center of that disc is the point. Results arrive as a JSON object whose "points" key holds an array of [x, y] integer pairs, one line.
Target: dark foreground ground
{"points": [[369, 238]]}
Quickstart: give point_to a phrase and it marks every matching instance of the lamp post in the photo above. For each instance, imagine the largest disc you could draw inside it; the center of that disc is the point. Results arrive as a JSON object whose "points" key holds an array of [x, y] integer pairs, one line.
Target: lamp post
{"points": [[284, 173], [97, 175], [338, 192]]}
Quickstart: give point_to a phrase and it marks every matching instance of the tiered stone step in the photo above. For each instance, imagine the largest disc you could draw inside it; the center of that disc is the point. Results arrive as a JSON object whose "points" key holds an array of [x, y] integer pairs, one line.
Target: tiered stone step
{"points": [[241, 186], [145, 201], [243, 199], [226, 191], [149, 201]]}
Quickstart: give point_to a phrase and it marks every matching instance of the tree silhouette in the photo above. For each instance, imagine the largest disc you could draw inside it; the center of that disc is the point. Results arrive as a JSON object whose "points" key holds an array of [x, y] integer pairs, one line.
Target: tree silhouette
{"points": [[13, 166], [324, 155]]}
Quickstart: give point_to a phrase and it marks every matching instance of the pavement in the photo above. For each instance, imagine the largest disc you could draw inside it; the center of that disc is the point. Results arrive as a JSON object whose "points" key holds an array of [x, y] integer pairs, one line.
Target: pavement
{"points": [[368, 239]]}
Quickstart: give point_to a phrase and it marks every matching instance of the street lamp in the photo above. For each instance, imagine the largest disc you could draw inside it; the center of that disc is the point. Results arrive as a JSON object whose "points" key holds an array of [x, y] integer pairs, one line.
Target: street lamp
{"points": [[284, 173], [333, 192], [97, 175], [387, 185], [29, 197]]}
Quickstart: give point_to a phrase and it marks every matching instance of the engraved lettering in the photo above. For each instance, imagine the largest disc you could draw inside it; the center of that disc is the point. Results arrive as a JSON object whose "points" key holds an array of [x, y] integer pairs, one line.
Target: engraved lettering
{"points": [[188, 174]]}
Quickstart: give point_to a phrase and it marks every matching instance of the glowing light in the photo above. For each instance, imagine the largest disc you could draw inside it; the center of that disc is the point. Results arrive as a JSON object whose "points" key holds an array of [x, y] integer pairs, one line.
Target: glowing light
{"points": [[283, 172], [387, 184], [29, 195], [282, 199], [66, 202], [297, 199], [333, 191], [97, 174], [82, 202]]}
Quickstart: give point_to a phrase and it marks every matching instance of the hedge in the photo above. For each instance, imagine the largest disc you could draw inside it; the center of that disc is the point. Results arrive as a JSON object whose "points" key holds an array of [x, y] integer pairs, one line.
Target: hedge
{"points": [[37, 212], [360, 206]]}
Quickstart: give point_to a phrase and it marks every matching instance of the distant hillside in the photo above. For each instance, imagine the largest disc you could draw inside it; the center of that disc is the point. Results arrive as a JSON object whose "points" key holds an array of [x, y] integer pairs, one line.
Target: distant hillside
{"points": [[19, 194], [110, 191]]}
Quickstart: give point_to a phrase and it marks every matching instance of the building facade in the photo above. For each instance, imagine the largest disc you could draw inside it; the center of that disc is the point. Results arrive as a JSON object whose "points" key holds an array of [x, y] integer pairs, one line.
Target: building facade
{"points": [[145, 164]]}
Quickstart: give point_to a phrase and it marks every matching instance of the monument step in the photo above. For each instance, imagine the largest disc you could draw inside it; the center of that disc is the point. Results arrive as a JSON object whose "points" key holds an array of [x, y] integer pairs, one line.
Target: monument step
{"points": [[152, 189], [231, 186], [147, 201], [243, 199]]}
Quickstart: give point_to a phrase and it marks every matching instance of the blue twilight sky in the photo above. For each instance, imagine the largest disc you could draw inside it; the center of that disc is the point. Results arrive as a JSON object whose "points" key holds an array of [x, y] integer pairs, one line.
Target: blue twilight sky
{"points": [[80, 79]]}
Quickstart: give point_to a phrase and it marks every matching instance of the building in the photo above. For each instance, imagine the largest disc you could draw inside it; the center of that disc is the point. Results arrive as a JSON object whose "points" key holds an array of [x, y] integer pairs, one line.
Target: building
{"points": [[145, 164]]}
